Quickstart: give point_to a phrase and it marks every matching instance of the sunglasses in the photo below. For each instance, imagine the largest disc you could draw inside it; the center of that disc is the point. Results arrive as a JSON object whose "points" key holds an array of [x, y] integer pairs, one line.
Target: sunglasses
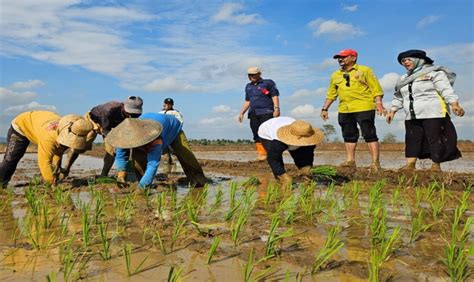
{"points": [[347, 77]]}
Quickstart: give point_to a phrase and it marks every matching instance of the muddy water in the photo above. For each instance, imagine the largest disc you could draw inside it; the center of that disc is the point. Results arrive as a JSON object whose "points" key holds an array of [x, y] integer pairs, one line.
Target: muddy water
{"points": [[388, 159], [19, 260]]}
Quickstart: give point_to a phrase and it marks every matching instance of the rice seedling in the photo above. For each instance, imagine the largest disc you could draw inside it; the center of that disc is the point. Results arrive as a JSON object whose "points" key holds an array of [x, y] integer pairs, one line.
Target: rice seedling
{"points": [[311, 206], [249, 267], [388, 245], [193, 209], [417, 226], [213, 249], [61, 197], [288, 208], [45, 211], [237, 225], [250, 182], [418, 197], [233, 192], [331, 246], [355, 190], [330, 191], [378, 225], [324, 173], [381, 253], [273, 194], [69, 262], [98, 207], [218, 200], [437, 203], [34, 202], [160, 200], [105, 252], [177, 232], [375, 196], [274, 237], [127, 253], [156, 238], [51, 277], [86, 226], [458, 250], [175, 274], [395, 197], [231, 212]]}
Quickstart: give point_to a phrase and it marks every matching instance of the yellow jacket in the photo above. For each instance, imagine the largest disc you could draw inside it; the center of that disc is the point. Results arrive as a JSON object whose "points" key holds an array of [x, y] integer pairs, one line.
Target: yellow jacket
{"points": [[357, 91], [40, 127]]}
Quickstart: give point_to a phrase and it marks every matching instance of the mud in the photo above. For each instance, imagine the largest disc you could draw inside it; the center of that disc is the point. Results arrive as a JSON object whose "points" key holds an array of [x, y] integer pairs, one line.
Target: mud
{"points": [[22, 259]]}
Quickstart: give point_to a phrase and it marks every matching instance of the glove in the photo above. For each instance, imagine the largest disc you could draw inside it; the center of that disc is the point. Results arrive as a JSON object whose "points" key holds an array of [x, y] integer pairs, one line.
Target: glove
{"points": [[457, 109], [121, 181]]}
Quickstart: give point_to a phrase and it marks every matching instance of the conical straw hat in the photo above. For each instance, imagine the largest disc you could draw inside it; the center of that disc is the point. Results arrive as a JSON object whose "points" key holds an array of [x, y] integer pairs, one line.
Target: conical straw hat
{"points": [[300, 133], [73, 130], [132, 133]]}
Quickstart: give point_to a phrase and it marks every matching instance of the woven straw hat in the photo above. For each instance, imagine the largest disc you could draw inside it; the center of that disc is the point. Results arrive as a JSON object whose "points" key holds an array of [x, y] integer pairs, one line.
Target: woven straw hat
{"points": [[300, 133], [132, 133], [73, 130], [253, 70]]}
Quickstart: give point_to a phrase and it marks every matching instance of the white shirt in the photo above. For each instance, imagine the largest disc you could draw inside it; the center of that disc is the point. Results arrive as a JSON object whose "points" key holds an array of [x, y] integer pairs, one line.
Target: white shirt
{"points": [[175, 113], [268, 130]]}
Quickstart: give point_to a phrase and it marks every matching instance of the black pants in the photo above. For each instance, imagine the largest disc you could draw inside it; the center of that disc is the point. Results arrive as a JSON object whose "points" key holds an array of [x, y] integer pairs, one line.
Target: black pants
{"points": [[433, 138], [16, 148], [256, 121], [303, 156], [366, 121]]}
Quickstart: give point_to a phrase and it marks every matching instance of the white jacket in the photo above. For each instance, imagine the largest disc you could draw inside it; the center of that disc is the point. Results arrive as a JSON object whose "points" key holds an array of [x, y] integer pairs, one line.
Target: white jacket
{"points": [[431, 92]]}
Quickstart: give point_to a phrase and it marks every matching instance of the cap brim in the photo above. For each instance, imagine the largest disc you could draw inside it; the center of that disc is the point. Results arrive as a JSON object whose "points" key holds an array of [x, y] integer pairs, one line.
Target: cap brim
{"points": [[71, 140]]}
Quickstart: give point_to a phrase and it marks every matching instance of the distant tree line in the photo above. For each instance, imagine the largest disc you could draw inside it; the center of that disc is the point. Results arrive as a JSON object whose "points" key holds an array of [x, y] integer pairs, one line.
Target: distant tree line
{"points": [[220, 142]]}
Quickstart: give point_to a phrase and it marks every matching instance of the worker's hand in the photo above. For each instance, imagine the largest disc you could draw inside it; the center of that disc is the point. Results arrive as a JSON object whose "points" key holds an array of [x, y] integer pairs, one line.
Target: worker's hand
{"points": [[380, 109], [324, 115], [390, 116], [121, 179], [457, 109], [276, 112], [241, 117]]}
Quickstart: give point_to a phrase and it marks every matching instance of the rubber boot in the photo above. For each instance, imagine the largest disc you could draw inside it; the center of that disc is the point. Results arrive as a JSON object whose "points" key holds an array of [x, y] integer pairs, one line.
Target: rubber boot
{"points": [[262, 153], [410, 166]]}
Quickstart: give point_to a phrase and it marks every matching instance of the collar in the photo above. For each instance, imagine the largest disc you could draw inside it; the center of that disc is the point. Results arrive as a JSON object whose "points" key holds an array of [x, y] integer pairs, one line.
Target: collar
{"points": [[354, 67]]}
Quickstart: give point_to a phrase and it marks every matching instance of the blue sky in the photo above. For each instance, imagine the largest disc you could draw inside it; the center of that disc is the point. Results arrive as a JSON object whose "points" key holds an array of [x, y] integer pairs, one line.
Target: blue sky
{"points": [[69, 56]]}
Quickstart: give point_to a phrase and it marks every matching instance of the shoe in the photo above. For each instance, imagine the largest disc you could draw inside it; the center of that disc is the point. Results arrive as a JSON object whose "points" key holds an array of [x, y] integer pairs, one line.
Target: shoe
{"points": [[436, 167], [348, 164], [285, 180], [305, 170], [262, 153], [261, 158]]}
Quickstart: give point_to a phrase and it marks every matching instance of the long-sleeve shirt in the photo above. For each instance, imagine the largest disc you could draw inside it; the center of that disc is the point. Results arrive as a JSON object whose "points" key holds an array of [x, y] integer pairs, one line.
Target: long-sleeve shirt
{"points": [[40, 127], [175, 113], [108, 116], [171, 129], [356, 89], [430, 93], [260, 95]]}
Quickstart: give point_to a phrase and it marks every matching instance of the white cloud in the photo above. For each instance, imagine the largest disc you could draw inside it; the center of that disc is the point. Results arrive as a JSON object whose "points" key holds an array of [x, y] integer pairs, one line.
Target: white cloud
{"points": [[29, 84], [348, 8], [306, 110], [14, 110], [229, 13], [212, 121], [221, 109], [306, 94], [169, 84], [388, 81], [457, 53], [334, 30], [9, 97], [426, 21]]}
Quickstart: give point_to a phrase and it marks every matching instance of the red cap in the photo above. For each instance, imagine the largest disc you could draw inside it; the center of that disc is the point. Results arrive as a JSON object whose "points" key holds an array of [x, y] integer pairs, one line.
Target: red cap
{"points": [[345, 53]]}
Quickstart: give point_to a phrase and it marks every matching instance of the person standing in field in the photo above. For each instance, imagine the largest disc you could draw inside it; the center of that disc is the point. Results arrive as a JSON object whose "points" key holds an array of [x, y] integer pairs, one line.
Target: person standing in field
{"points": [[53, 135], [168, 109], [360, 97], [425, 93], [104, 118], [262, 103]]}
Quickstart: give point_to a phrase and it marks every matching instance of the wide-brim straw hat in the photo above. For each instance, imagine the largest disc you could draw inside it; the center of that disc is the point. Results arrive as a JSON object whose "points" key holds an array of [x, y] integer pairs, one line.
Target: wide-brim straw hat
{"points": [[73, 131], [300, 133], [132, 133]]}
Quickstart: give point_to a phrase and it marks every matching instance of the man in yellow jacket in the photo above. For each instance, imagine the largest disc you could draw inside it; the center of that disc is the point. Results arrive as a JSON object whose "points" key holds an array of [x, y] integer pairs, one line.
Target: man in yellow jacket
{"points": [[360, 97], [53, 135]]}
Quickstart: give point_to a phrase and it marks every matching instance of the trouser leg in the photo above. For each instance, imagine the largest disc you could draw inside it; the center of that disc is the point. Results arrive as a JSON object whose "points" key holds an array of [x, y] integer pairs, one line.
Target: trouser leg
{"points": [[139, 159], [275, 151], [109, 159], [303, 156], [188, 161], [16, 148]]}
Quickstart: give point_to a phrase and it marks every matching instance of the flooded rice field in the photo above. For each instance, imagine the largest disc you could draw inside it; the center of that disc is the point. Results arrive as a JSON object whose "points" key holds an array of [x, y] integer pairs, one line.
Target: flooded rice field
{"points": [[334, 225]]}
